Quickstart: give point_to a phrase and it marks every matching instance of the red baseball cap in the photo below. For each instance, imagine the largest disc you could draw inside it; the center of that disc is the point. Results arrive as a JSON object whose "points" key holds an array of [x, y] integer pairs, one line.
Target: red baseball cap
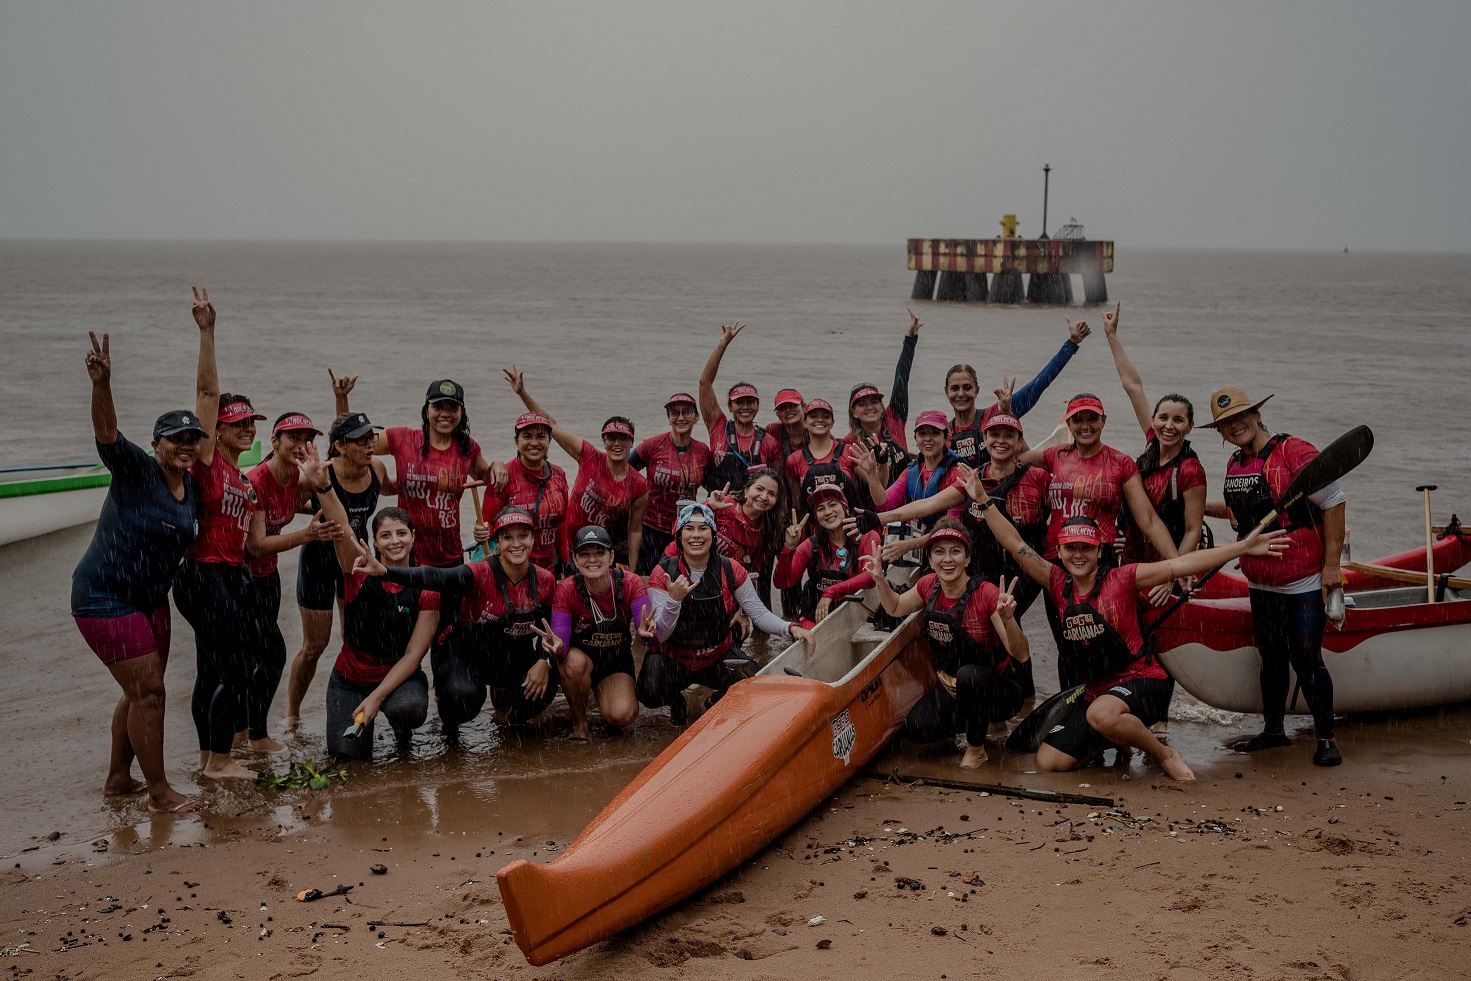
{"points": [[617, 427], [788, 396], [1083, 403], [239, 411], [526, 419], [863, 392], [947, 535], [999, 418], [818, 405], [742, 391], [932, 418], [509, 517], [822, 492], [1082, 530], [293, 421], [680, 398]]}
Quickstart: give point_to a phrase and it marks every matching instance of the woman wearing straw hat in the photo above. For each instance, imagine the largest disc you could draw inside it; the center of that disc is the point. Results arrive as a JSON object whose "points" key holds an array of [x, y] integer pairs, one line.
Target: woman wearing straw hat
{"points": [[1287, 597]]}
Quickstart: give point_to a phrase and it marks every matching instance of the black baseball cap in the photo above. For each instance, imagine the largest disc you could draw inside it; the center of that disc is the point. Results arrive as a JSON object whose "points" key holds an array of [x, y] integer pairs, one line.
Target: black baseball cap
{"points": [[592, 535], [445, 390], [354, 426], [177, 421]]}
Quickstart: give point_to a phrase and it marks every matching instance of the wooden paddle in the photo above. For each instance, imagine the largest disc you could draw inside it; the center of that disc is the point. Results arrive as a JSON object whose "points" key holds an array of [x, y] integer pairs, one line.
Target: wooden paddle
{"points": [[1429, 546], [1407, 575]]}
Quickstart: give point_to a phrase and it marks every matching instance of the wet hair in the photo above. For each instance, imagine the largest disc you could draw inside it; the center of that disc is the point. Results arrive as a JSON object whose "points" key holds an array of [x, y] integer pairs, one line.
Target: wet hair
{"points": [[623, 419], [962, 369], [854, 426], [737, 385], [773, 522], [332, 450], [1176, 397], [461, 435], [391, 514], [954, 524]]}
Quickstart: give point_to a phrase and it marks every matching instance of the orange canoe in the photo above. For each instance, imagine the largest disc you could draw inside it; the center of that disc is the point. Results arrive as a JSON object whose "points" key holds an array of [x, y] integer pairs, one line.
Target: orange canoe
{"points": [[772, 749]]}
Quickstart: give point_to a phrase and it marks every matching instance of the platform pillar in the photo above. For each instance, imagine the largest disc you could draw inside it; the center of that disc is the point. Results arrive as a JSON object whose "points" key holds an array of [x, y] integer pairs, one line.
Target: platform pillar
{"points": [[1006, 287], [924, 285], [952, 287], [975, 287], [1046, 288], [1094, 288]]}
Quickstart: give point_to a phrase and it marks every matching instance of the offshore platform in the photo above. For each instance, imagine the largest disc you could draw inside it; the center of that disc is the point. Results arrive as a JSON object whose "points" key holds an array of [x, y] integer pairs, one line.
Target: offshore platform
{"points": [[955, 269]]}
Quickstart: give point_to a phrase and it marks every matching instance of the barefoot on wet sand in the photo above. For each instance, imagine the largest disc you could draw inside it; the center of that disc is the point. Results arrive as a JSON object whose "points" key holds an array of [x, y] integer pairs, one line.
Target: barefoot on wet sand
{"points": [[172, 803], [221, 767], [266, 745], [974, 757], [1174, 766], [290, 722], [121, 788]]}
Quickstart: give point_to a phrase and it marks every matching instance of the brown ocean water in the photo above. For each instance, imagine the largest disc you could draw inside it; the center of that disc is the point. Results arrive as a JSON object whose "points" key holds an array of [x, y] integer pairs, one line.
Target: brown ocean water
{"points": [[605, 329]]}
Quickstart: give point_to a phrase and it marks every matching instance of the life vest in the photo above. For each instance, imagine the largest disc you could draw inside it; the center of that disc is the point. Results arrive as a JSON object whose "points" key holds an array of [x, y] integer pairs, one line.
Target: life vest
{"points": [[1171, 510], [1251, 498], [735, 465], [821, 474], [969, 445], [1097, 648], [988, 558], [702, 633], [605, 636], [951, 645], [508, 638], [378, 622], [916, 489], [827, 567]]}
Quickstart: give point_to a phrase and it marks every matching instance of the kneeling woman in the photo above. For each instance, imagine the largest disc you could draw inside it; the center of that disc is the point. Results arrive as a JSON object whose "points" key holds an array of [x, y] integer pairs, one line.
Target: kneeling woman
{"points": [[493, 641], [1126, 689], [695, 595], [387, 628], [830, 556], [975, 644], [595, 613]]}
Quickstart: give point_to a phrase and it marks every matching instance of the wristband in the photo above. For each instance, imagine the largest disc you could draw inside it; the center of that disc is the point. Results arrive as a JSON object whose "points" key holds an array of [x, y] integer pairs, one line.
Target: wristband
{"points": [[323, 490], [985, 503]]}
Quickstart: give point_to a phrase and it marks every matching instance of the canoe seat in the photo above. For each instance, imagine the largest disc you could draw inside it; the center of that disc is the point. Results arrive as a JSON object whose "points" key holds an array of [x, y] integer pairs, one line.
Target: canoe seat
{"points": [[869, 634]]}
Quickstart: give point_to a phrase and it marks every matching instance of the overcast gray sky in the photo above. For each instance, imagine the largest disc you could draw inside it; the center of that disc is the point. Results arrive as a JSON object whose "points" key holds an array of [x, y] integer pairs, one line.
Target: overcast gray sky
{"points": [[1296, 125]]}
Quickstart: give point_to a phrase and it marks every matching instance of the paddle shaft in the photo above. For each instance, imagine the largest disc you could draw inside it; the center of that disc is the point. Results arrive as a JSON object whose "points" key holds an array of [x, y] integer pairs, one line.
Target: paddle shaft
{"points": [[999, 789], [1429, 546]]}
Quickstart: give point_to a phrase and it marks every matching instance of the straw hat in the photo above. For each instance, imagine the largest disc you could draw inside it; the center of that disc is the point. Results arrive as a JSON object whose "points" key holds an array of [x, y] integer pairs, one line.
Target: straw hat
{"points": [[1229, 402]]}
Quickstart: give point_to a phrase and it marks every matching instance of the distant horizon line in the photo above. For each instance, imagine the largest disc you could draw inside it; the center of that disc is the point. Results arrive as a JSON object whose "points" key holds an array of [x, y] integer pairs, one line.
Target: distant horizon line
{"points": [[17, 240]]}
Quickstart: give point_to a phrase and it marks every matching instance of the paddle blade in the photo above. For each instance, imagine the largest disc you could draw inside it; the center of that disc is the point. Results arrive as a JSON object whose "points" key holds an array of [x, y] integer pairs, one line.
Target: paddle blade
{"points": [[1030, 732], [1336, 459]]}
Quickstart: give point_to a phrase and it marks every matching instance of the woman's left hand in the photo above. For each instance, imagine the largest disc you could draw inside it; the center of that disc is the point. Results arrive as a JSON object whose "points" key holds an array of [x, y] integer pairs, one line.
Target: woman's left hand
{"points": [[550, 642]]}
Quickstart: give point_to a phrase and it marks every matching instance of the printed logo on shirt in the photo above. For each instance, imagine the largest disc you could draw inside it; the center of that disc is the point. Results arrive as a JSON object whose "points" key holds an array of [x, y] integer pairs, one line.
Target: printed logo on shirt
{"points": [[1120, 690], [1081, 627], [845, 736], [939, 632], [1241, 483]]}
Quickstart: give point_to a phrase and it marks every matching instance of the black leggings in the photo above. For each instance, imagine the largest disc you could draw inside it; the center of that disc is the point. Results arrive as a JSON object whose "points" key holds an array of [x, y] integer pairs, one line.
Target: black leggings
{"points": [[663, 679], [405, 708], [463, 669], [651, 548], [219, 603], [1289, 630], [981, 698], [270, 660]]}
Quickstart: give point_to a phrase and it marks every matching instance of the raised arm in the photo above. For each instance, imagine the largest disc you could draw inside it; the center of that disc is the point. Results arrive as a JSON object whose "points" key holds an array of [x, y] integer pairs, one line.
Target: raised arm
{"points": [[207, 376], [1270, 543], [566, 438], [345, 545], [709, 404], [1128, 374], [1031, 563], [899, 391], [1029, 394], [340, 389], [99, 369], [894, 604]]}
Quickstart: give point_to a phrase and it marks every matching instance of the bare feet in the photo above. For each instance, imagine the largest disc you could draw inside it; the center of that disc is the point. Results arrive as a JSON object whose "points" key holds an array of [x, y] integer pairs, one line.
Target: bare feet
{"points": [[172, 802], [579, 733], [290, 722], [266, 745], [222, 767], [974, 757], [1174, 766], [122, 786]]}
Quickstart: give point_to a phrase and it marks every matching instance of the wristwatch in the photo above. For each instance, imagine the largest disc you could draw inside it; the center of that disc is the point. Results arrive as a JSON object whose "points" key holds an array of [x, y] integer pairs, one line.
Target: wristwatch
{"points": [[987, 502]]}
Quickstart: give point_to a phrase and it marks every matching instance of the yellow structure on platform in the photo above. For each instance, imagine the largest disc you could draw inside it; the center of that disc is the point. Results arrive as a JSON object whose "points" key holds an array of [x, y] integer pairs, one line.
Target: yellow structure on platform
{"points": [[1008, 226]]}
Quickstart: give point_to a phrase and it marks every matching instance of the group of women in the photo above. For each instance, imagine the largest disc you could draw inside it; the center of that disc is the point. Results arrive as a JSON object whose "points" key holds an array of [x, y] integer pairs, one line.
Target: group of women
{"points": [[564, 576]]}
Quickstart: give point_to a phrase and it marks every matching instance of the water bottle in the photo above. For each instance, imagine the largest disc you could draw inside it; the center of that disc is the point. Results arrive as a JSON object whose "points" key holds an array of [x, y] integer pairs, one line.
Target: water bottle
{"points": [[1347, 555]]}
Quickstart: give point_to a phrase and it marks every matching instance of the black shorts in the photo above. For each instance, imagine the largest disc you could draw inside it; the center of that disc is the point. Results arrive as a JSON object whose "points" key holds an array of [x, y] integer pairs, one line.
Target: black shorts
{"points": [[318, 577], [605, 664], [1147, 698]]}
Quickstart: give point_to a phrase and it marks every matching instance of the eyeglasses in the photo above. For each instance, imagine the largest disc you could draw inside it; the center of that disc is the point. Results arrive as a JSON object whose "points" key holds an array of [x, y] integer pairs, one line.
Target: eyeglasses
{"points": [[681, 413]]}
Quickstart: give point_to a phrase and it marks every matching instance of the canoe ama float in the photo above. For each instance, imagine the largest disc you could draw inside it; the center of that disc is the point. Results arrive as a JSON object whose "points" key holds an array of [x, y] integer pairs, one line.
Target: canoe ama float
{"points": [[1395, 651], [752, 766]]}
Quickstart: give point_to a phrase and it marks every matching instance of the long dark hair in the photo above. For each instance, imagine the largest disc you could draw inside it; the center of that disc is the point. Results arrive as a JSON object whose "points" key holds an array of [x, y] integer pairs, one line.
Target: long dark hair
{"points": [[391, 514], [1149, 459], [773, 522], [461, 434]]}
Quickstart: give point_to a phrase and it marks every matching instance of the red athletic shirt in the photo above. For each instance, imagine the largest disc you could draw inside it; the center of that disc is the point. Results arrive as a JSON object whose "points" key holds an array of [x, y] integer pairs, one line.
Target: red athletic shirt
{"points": [[739, 539], [978, 609], [768, 449], [1157, 488], [225, 502], [597, 498], [1026, 502], [485, 604], [796, 466], [568, 601], [1092, 487], [1305, 556], [544, 497], [778, 431], [791, 565], [430, 488], [355, 666], [700, 659], [675, 474], [279, 504], [1115, 600]]}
